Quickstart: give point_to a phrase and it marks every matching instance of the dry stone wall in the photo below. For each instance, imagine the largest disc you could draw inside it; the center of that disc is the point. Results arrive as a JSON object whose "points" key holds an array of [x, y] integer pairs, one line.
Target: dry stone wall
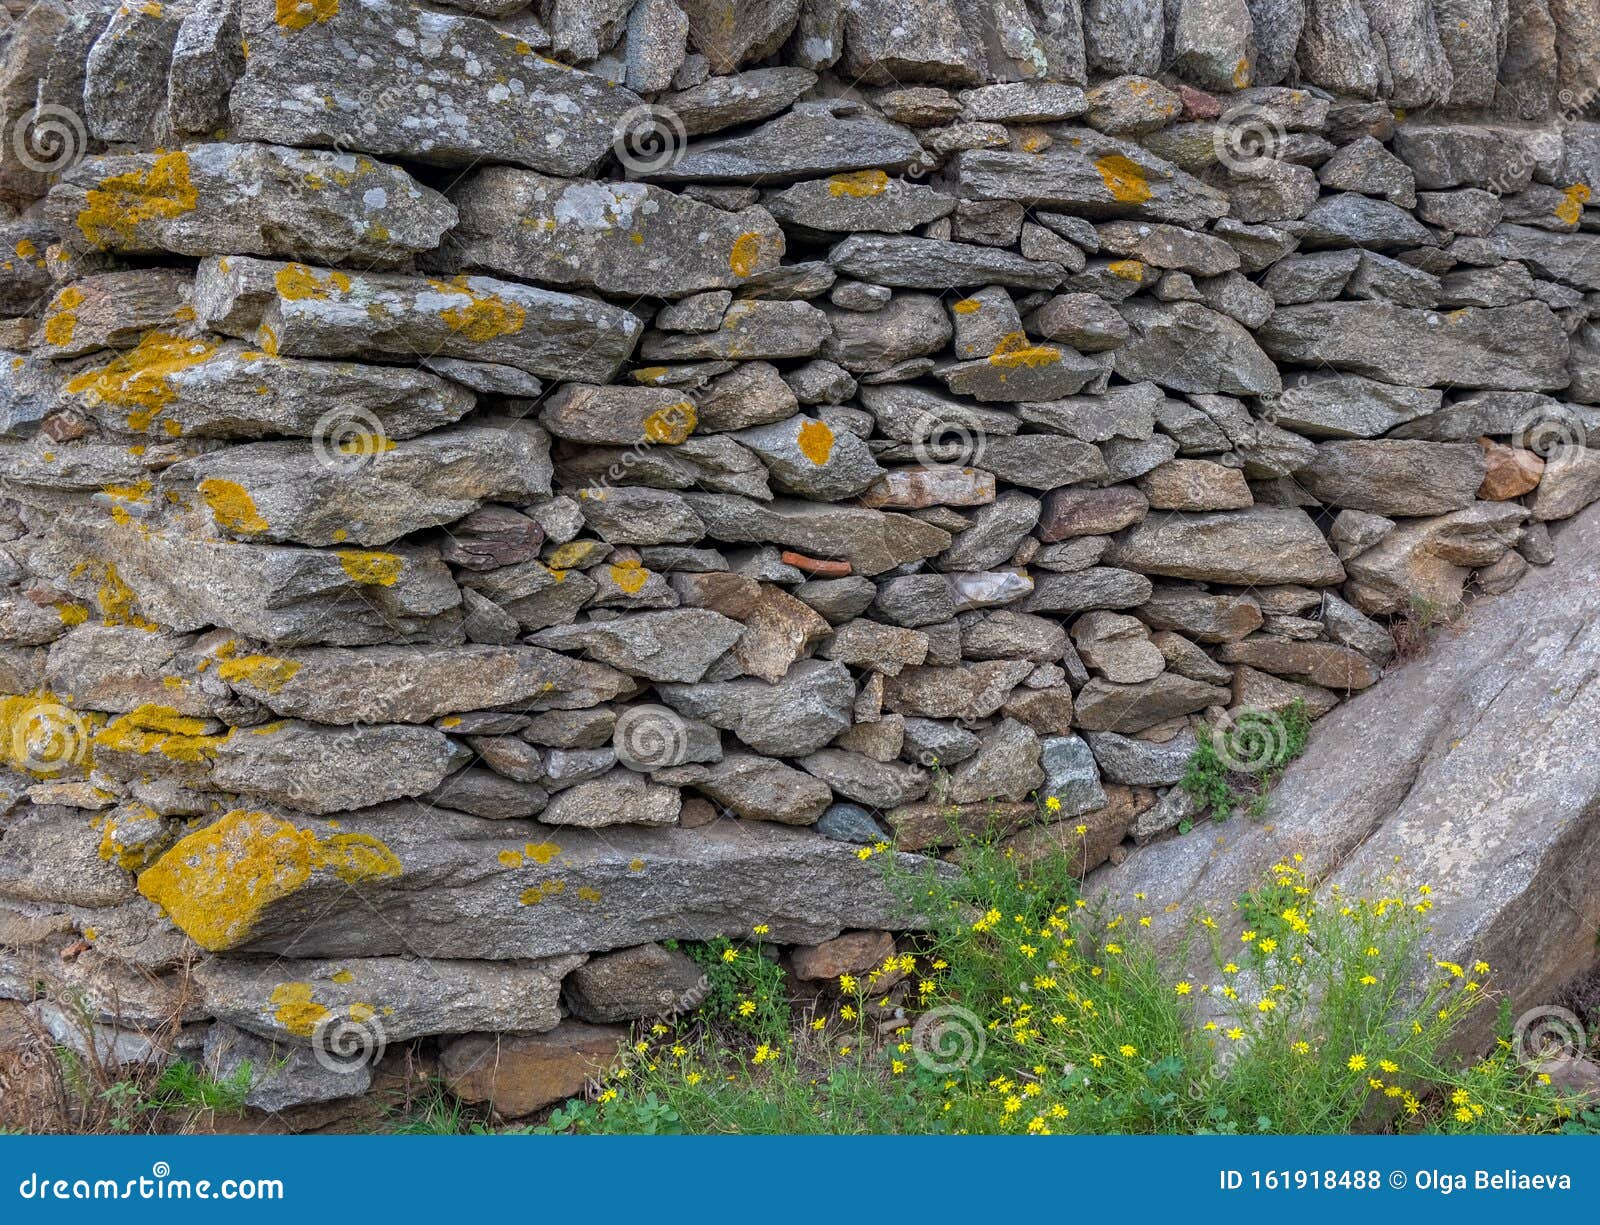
{"points": [[490, 488]]}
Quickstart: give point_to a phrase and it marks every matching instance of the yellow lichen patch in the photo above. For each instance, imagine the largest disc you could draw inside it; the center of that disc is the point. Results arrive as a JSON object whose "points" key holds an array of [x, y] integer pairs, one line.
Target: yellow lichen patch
{"points": [[25, 248], [72, 614], [151, 729], [134, 855], [122, 203], [1572, 201], [217, 883], [485, 316], [1126, 269], [510, 859], [587, 894], [367, 444], [361, 1013], [450, 721], [298, 14], [629, 576], [232, 506], [342, 976], [371, 567], [1015, 350], [535, 894], [265, 672], [116, 598], [636, 865], [41, 735], [138, 382], [573, 553], [1241, 73], [815, 441], [184, 314], [862, 183], [61, 316], [649, 374], [1123, 179], [672, 424], [967, 306], [296, 283], [541, 852], [746, 253], [295, 1010]]}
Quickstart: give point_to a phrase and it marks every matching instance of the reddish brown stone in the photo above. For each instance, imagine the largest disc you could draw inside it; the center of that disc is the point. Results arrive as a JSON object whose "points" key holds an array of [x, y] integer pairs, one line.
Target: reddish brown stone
{"points": [[815, 565], [1510, 471], [517, 1074], [850, 953], [1090, 512]]}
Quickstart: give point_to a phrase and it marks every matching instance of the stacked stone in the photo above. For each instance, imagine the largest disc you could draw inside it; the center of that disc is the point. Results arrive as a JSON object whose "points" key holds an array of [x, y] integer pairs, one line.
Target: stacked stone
{"points": [[448, 535]]}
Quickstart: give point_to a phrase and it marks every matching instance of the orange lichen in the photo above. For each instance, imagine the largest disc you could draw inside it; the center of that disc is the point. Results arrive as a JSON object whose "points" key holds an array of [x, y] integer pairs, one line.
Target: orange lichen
{"points": [[746, 254], [370, 567], [862, 183], [61, 317], [116, 600], [1123, 179], [367, 444], [485, 315], [217, 883], [298, 14], [815, 441], [967, 306], [671, 424], [114, 211], [232, 507], [1570, 210], [510, 859], [629, 576], [1015, 350], [1126, 269], [541, 852]]}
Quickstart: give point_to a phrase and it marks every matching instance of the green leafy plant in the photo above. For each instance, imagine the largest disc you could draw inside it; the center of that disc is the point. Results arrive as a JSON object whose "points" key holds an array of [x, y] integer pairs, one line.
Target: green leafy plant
{"points": [[1235, 765]]}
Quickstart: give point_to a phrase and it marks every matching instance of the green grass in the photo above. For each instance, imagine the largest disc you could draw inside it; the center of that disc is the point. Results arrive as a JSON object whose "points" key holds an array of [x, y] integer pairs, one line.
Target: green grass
{"points": [[1298, 1010], [1235, 766]]}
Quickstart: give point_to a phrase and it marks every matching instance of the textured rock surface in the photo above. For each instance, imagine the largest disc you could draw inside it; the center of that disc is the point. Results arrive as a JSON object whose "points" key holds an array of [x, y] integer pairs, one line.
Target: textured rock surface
{"points": [[1441, 766], [471, 475]]}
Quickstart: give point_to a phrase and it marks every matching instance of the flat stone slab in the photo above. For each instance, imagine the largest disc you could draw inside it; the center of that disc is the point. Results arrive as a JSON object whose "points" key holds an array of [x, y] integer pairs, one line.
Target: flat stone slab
{"points": [[409, 878], [309, 80]]}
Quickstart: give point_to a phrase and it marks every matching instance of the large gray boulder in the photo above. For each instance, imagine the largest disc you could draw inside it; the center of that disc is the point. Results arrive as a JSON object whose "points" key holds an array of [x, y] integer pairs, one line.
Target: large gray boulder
{"points": [[1472, 768]]}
